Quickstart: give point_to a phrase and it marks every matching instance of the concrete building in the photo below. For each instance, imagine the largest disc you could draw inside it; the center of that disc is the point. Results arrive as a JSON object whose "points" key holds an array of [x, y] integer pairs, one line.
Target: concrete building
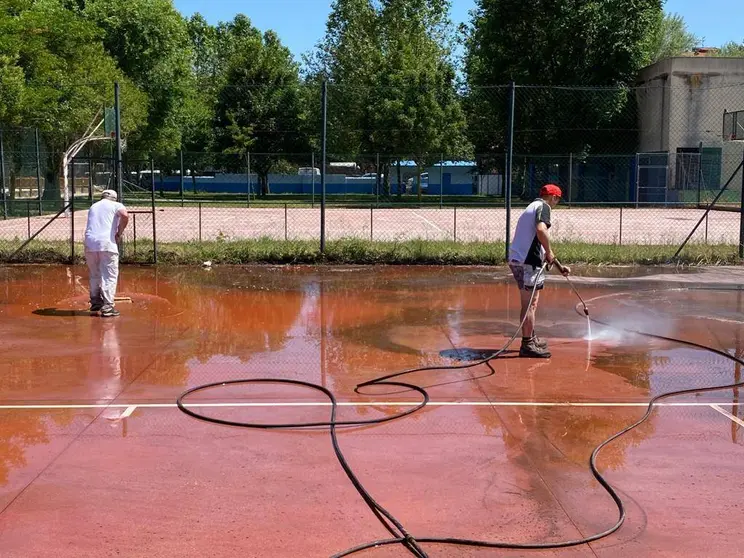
{"points": [[681, 103]]}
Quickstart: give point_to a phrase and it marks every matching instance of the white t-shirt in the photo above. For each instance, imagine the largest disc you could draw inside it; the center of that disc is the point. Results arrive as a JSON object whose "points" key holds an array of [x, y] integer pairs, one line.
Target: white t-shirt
{"points": [[526, 247], [103, 222]]}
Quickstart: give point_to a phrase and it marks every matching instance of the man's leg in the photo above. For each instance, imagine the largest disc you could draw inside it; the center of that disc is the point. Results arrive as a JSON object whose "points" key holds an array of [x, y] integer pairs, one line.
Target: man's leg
{"points": [[110, 275], [530, 310], [531, 345], [94, 280]]}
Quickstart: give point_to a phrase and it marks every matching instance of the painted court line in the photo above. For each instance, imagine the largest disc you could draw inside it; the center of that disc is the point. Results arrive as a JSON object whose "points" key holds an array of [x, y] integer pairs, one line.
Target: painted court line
{"points": [[129, 407], [428, 222], [128, 411], [725, 413]]}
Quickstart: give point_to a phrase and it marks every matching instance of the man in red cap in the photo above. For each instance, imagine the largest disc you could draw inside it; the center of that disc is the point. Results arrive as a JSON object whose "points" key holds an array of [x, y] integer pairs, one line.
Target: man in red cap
{"points": [[529, 249]]}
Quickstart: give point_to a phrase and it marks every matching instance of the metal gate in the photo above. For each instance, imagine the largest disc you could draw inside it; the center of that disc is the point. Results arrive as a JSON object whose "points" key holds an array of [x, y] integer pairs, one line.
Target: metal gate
{"points": [[652, 178]]}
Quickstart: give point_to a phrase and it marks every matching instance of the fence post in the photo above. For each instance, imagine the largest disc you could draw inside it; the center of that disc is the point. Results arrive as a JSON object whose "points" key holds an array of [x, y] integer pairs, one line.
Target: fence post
{"points": [[312, 165], [200, 225], [248, 177], [377, 179], [285, 223], [72, 212], [621, 225], [706, 228], [38, 168], [371, 222], [638, 180], [741, 215], [134, 227], [324, 102], [90, 180], [509, 162], [181, 176], [441, 180], [570, 177], [2, 176], [455, 224], [152, 198], [700, 171], [28, 217], [119, 165]]}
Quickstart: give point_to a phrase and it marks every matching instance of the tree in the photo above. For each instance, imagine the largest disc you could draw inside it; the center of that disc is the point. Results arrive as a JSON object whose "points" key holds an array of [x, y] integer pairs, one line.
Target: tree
{"points": [[259, 108], [670, 37], [732, 50], [581, 43], [414, 110], [56, 76], [149, 40], [349, 57], [391, 80], [197, 130]]}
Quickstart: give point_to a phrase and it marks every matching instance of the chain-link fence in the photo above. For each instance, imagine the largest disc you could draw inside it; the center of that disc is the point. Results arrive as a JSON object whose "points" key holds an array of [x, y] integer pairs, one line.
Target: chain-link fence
{"points": [[636, 166]]}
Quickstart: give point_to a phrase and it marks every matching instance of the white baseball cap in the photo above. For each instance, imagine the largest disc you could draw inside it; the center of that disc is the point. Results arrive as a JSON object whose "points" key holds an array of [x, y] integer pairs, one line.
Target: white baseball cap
{"points": [[109, 194]]}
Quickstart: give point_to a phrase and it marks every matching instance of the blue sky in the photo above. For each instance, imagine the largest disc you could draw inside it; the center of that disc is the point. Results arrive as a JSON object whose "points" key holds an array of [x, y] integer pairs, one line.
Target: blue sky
{"points": [[301, 23]]}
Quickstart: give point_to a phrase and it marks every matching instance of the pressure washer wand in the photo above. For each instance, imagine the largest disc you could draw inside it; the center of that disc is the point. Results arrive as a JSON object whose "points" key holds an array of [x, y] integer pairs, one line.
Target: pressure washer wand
{"points": [[560, 268]]}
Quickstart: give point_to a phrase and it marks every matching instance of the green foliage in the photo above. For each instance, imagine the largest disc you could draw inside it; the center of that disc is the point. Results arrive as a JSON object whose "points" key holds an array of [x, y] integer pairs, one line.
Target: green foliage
{"points": [[392, 86], [731, 50], [149, 41], [54, 72], [573, 42], [56, 76], [414, 110], [595, 43], [669, 37], [365, 252], [349, 56], [259, 108]]}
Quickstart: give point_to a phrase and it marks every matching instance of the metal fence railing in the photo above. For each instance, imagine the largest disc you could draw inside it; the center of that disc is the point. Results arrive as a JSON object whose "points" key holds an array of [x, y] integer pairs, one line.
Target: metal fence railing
{"points": [[633, 169]]}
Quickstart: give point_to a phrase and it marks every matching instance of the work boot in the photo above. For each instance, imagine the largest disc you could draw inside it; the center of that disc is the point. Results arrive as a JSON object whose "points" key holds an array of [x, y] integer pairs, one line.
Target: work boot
{"points": [[541, 343], [109, 312], [96, 307], [530, 349]]}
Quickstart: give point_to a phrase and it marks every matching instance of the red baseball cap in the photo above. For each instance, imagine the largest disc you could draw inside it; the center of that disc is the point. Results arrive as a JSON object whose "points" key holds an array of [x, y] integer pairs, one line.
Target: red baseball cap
{"points": [[550, 190]]}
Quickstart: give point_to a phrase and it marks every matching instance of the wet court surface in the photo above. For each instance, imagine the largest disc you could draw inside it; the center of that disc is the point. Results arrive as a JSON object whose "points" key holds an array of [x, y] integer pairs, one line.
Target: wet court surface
{"points": [[96, 460]]}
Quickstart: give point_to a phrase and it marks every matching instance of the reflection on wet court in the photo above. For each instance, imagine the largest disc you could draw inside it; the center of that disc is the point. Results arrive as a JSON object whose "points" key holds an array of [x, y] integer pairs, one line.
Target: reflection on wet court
{"points": [[91, 438]]}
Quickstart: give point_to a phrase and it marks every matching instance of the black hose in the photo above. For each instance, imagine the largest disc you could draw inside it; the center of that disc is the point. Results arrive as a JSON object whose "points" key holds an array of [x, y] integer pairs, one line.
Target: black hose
{"points": [[392, 525]]}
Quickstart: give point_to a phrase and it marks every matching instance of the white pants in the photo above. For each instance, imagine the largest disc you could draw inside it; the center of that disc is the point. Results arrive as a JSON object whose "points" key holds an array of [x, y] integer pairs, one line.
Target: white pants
{"points": [[103, 268]]}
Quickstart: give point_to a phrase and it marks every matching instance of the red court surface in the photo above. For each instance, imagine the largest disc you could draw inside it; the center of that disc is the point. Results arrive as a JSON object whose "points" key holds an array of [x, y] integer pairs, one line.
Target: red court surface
{"points": [[97, 460]]}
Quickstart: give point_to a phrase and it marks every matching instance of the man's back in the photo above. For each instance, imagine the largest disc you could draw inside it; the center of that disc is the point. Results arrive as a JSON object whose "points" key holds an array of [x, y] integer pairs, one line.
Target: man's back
{"points": [[525, 247], [100, 231]]}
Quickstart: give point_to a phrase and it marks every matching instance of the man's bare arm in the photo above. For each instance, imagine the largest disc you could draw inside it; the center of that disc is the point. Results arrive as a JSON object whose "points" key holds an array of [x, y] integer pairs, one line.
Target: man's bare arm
{"points": [[544, 237], [123, 222]]}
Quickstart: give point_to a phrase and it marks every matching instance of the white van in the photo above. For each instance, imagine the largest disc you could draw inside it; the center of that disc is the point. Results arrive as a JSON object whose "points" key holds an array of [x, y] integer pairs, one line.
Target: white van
{"points": [[308, 171]]}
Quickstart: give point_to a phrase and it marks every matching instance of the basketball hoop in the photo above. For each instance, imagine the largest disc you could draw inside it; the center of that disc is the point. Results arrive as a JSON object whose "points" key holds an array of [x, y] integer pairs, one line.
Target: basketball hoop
{"points": [[75, 148]]}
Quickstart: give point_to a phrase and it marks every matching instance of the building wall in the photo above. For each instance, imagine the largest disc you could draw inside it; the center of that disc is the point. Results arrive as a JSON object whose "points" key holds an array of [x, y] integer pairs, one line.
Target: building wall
{"points": [[681, 104]]}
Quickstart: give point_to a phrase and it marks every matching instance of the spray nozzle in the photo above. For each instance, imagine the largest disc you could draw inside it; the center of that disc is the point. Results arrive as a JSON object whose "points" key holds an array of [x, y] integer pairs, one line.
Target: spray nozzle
{"points": [[586, 311]]}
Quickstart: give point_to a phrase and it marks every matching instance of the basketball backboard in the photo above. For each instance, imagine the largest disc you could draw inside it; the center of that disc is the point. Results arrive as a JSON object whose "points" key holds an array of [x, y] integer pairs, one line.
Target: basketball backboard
{"points": [[109, 122], [733, 125]]}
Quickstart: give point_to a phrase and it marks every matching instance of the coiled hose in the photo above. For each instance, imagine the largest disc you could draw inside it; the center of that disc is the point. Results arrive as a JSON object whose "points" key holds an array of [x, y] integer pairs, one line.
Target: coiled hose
{"points": [[400, 536]]}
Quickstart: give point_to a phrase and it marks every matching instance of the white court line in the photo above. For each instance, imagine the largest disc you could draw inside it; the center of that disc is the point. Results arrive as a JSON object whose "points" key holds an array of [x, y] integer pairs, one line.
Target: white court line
{"points": [[128, 411], [131, 406], [725, 413], [429, 222]]}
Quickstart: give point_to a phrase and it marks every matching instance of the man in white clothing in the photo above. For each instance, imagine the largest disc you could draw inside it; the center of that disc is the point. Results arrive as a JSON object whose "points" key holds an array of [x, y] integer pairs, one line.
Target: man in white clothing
{"points": [[107, 220]]}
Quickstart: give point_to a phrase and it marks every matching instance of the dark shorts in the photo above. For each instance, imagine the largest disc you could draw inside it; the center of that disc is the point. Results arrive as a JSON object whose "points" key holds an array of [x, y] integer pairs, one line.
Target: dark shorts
{"points": [[526, 275]]}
